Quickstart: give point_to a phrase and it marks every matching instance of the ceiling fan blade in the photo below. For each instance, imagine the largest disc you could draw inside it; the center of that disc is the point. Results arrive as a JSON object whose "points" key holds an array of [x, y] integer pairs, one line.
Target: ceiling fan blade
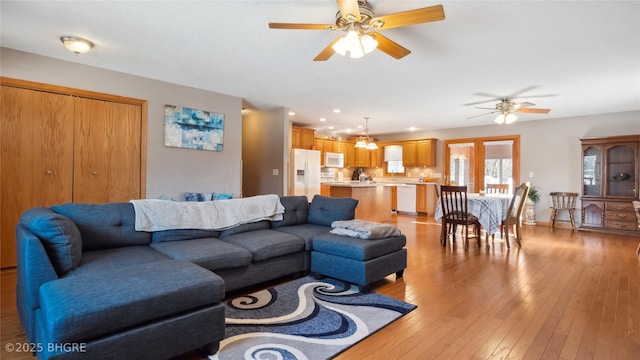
{"points": [[515, 94], [525, 104], [534, 111], [349, 7], [327, 52], [390, 47], [485, 108], [301, 26], [493, 112], [411, 17]]}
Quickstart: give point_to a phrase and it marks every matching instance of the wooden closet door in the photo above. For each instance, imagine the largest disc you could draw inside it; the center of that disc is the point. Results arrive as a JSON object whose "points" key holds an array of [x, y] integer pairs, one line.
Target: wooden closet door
{"points": [[36, 157], [107, 160]]}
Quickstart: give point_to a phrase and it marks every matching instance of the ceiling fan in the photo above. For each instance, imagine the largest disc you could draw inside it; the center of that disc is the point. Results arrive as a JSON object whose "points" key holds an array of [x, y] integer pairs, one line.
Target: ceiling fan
{"points": [[507, 107], [358, 20]]}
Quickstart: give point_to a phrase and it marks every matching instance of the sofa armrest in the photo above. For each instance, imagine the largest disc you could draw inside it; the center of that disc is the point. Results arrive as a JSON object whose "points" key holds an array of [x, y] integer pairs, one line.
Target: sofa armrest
{"points": [[33, 269]]}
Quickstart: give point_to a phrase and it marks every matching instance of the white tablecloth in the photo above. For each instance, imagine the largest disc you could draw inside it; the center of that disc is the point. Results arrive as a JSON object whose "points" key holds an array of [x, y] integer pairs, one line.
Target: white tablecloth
{"points": [[490, 210]]}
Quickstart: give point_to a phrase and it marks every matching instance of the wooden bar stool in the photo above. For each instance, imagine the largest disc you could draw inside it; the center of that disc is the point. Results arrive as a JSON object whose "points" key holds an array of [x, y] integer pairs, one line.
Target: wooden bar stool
{"points": [[563, 201]]}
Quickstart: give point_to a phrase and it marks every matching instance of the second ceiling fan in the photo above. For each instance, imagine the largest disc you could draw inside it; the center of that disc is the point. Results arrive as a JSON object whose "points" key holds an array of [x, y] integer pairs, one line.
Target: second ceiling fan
{"points": [[358, 20]]}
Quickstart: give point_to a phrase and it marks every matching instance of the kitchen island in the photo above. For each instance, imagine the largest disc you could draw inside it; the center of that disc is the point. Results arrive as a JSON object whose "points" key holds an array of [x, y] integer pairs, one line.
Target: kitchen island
{"points": [[374, 199]]}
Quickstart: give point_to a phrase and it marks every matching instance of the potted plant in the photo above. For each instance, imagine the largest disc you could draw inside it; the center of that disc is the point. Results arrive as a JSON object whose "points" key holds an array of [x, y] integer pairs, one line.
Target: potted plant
{"points": [[530, 206]]}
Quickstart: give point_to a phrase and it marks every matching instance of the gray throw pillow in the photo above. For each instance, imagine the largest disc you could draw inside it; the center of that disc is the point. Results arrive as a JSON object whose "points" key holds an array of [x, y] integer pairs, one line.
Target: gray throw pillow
{"points": [[59, 235]]}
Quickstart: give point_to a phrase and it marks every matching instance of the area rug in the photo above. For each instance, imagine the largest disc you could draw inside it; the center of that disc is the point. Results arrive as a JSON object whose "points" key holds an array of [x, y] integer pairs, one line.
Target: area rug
{"points": [[304, 319]]}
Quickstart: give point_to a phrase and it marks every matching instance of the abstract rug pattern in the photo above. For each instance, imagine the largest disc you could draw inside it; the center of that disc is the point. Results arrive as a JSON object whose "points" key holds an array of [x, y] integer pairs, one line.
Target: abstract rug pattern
{"points": [[304, 319]]}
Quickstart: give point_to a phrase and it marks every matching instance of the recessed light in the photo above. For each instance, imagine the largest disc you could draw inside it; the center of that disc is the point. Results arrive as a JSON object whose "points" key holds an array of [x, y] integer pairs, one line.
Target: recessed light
{"points": [[323, 119], [359, 126], [348, 130], [336, 110], [331, 127], [413, 128], [291, 113]]}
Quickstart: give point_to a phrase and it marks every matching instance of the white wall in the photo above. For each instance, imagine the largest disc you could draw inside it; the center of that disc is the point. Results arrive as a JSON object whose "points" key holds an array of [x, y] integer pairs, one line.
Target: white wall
{"points": [[170, 171], [549, 148]]}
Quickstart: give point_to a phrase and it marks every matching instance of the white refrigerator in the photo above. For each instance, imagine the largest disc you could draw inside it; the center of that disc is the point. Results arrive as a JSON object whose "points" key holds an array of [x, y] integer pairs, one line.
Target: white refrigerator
{"points": [[306, 172]]}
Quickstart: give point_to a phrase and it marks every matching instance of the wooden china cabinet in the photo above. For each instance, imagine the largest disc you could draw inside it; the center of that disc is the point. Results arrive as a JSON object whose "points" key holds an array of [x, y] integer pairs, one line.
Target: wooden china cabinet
{"points": [[610, 184]]}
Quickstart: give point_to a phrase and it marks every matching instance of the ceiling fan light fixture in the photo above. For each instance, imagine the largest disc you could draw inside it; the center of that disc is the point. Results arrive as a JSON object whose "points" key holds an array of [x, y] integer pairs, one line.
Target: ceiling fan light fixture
{"points": [[369, 43], [76, 45], [507, 118]]}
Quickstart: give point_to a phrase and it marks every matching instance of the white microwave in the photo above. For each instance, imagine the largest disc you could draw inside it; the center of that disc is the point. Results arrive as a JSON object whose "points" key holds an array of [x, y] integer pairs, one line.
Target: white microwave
{"points": [[335, 160]]}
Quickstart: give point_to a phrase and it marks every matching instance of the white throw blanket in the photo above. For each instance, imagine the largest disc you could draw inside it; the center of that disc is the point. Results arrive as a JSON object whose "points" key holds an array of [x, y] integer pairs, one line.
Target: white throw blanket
{"points": [[157, 215], [364, 229]]}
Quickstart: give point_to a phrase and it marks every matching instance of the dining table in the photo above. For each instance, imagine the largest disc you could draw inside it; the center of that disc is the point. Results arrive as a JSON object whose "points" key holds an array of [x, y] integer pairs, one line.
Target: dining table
{"points": [[490, 209]]}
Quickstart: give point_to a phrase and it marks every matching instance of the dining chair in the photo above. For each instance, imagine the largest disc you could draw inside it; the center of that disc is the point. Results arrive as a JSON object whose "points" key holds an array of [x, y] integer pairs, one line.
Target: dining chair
{"points": [[497, 189], [514, 213], [636, 208], [453, 200], [563, 201]]}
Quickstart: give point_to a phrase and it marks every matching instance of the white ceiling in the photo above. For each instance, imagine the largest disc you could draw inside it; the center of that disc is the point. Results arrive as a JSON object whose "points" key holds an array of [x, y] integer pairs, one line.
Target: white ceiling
{"points": [[574, 57]]}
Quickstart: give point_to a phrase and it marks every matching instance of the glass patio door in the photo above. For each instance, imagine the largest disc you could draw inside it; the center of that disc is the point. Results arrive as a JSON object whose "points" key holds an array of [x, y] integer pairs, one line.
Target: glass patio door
{"points": [[476, 162]]}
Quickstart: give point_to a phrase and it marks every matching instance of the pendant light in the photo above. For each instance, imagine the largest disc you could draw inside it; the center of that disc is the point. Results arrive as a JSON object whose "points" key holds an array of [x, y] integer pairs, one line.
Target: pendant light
{"points": [[364, 141]]}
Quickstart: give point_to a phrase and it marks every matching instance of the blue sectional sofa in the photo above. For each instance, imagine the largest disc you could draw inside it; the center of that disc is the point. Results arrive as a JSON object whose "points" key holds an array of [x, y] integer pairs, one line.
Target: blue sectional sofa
{"points": [[90, 286]]}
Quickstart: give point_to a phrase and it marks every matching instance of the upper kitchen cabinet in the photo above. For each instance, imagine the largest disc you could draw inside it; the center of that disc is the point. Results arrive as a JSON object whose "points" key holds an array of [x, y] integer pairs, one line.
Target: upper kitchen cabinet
{"points": [[363, 157], [419, 152], [302, 138], [349, 150], [610, 183]]}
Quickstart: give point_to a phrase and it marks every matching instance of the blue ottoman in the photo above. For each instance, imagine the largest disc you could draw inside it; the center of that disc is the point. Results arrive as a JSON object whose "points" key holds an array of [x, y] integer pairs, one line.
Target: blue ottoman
{"points": [[358, 261]]}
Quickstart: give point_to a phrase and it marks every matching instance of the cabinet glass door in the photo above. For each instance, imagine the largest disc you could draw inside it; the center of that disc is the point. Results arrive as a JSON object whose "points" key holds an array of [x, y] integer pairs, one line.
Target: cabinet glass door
{"points": [[591, 171], [621, 170]]}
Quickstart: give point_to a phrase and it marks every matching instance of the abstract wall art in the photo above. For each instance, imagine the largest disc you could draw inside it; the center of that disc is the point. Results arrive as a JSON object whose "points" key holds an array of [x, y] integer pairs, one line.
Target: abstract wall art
{"points": [[192, 128]]}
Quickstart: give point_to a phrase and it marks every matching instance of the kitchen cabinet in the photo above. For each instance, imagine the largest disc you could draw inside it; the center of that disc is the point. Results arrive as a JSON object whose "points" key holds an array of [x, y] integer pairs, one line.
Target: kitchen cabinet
{"points": [[62, 145], [337, 146], [426, 152], [610, 184], [349, 154], [409, 153], [426, 198], [363, 157], [302, 138], [419, 152]]}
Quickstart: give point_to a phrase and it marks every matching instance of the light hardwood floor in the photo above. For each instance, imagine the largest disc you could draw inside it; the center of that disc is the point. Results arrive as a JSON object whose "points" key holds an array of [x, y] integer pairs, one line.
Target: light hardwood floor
{"points": [[563, 295]]}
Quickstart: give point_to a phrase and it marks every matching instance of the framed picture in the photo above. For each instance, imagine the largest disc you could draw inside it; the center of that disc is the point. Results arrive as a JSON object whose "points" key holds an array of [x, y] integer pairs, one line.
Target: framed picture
{"points": [[192, 128]]}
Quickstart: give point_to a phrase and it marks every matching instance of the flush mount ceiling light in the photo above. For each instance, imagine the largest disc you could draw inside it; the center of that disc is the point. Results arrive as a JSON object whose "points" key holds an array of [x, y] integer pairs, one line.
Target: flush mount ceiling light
{"points": [[364, 141], [76, 45]]}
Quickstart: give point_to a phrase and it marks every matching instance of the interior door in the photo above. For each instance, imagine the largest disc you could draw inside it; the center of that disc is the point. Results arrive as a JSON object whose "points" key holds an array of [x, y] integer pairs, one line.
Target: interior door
{"points": [[107, 151], [36, 157], [462, 165]]}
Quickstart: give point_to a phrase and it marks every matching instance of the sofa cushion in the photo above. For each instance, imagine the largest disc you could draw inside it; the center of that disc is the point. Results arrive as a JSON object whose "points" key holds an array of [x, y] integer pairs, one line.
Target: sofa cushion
{"points": [[357, 249], [296, 210], [305, 231], [182, 234], [325, 210], [266, 243], [104, 225], [59, 235], [81, 308], [107, 260], [258, 225], [210, 253]]}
